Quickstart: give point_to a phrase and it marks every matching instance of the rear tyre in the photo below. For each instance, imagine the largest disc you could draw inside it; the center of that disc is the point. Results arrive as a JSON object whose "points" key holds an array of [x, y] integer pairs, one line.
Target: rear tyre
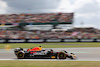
{"points": [[20, 55], [61, 55], [17, 50]]}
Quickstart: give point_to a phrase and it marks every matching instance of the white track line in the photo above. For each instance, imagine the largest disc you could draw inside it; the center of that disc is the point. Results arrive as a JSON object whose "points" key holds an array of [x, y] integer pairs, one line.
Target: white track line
{"points": [[43, 60]]}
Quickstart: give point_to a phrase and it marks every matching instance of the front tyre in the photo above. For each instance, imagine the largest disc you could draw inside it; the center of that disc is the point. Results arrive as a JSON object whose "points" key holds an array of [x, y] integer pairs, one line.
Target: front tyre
{"points": [[61, 55]]}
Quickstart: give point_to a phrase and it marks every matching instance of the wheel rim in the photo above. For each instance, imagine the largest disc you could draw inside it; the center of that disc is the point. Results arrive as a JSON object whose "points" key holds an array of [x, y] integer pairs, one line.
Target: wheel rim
{"points": [[61, 55], [20, 55]]}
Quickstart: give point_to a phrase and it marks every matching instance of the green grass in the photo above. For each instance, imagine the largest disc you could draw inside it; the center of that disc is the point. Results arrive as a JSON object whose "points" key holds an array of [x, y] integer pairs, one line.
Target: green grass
{"points": [[49, 64], [50, 45]]}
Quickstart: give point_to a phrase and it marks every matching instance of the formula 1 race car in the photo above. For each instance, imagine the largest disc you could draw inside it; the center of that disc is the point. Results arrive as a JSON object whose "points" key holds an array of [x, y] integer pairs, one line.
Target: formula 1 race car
{"points": [[44, 53]]}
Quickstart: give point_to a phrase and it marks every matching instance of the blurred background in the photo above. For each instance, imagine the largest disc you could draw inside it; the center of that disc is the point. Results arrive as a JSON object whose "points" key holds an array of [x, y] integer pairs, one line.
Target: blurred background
{"points": [[49, 20]]}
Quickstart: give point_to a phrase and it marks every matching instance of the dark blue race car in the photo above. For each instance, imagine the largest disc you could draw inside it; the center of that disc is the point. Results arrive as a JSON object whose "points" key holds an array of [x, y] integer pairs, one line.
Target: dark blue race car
{"points": [[45, 53]]}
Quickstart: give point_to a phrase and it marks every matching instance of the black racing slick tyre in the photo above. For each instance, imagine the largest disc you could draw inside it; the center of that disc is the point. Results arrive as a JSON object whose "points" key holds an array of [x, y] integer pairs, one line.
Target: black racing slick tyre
{"points": [[20, 55], [61, 55]]}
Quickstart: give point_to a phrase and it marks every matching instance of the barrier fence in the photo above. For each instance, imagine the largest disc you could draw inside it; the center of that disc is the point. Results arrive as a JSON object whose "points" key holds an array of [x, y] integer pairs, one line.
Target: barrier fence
{"points": [[46, 40]]}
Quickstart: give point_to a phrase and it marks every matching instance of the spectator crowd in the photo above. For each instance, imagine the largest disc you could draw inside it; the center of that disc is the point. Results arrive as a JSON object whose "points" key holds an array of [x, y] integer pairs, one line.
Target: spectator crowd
{"points": [[76, 33], [36, 18]]}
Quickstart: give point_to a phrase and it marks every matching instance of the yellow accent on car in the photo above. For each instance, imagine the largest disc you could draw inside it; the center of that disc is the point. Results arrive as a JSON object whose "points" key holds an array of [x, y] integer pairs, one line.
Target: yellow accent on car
{"points": [[53, 57]]}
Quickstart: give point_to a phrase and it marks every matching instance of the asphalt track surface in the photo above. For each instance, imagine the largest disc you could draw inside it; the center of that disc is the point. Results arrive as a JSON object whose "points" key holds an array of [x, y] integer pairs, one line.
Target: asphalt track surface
{"points": [[83, 54]]}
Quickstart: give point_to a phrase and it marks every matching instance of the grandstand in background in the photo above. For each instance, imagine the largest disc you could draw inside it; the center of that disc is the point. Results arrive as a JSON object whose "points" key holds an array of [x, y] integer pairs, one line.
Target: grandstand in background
{"points": [[41, 22], [46, 27]]}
